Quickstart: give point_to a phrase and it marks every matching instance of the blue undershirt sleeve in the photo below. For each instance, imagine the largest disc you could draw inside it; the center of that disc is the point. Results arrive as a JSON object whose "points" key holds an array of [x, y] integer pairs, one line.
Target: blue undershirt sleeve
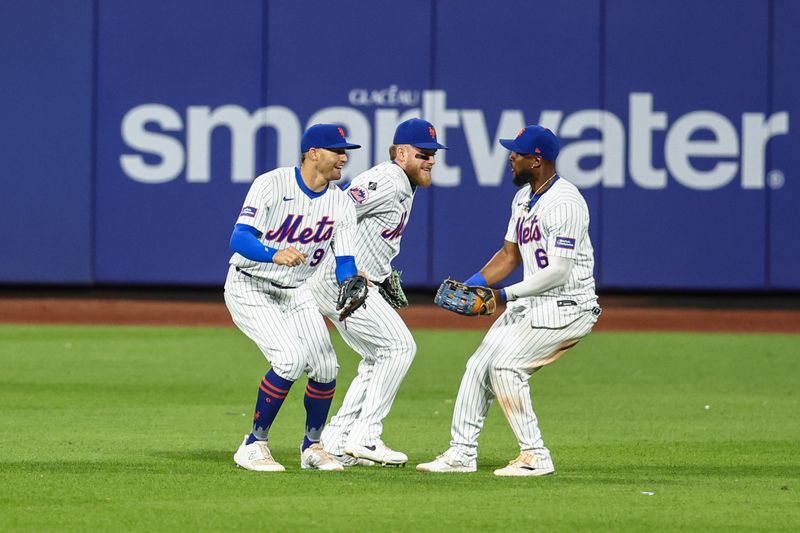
{"points": [[244, 241], [345, 268], [477, 279]]}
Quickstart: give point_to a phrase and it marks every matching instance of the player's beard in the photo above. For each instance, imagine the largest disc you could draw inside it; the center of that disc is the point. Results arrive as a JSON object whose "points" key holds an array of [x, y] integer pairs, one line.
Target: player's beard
{"points": [[521, 178], [424, 179]]}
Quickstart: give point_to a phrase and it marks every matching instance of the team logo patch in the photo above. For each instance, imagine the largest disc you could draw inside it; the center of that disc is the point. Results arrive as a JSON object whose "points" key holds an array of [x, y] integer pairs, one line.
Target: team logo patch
{"points": [[565, 242], [358, 194], [248, 211]]}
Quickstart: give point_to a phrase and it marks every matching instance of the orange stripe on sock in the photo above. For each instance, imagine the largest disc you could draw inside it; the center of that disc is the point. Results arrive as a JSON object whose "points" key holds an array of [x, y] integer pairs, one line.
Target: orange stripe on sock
{"points": [[277, 389], [273, 388], [317, 397], [271, 393], [320, 396], [318, 391]]}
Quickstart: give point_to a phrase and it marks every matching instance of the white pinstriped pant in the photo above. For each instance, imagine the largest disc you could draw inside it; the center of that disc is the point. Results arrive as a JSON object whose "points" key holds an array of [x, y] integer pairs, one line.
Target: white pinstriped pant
{"points": [[500, 368], [285, 324], [387, 349]]}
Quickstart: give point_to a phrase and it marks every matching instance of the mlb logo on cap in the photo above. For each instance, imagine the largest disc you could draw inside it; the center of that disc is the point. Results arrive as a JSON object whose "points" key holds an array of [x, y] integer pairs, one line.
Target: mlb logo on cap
{"points": [[534, 140]]}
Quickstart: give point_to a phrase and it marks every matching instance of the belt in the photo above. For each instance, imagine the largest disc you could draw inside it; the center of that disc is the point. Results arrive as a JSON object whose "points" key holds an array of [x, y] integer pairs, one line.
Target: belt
{"points": [[249, 275]]}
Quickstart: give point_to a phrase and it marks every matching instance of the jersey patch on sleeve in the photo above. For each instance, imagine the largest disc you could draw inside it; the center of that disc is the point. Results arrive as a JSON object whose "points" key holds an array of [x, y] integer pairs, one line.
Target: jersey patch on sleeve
{"points": [[358, 194], [248, 211], [565, 242], [372, 186]]}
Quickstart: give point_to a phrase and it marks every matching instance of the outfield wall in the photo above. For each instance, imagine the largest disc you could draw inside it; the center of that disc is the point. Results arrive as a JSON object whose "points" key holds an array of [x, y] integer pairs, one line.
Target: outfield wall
{"points": [[131, 129]]}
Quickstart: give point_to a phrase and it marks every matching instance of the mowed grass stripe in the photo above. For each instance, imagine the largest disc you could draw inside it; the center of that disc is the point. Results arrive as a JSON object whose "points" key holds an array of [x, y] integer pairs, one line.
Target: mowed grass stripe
{"points": [[133, 428]]}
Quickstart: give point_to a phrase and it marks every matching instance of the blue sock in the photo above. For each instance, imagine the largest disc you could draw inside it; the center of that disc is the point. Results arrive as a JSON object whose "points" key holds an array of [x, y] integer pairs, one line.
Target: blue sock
{"points": [[271, 393], [317, 400]]}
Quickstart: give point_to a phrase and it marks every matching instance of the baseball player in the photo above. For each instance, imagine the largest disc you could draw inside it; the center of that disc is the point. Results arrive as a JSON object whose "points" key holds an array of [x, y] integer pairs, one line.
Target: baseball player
{"points": [[548, 312], [382, 196], [287, 227]]}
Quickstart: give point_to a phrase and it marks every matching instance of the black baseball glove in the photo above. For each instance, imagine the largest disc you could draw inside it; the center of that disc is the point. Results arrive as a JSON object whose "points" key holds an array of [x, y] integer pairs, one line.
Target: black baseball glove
{"points": [[352, 295], [392, 290]]}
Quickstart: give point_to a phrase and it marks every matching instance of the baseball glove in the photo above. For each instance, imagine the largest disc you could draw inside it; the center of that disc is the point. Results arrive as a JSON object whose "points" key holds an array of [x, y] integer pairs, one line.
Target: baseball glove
{"points": [[352, 295], [465, 300], [392, 290]]}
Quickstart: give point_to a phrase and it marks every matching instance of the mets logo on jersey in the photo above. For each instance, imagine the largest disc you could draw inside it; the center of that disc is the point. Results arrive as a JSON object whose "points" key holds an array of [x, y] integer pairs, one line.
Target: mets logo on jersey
{"points": [[248, 211], [397, 232], [358, 194], [292, 230], [565, 242], [528, 233]]}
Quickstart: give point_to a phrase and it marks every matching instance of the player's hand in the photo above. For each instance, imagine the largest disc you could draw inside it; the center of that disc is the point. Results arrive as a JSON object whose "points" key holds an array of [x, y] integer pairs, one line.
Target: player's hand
{"points": [[369, 281], [290, 257]]}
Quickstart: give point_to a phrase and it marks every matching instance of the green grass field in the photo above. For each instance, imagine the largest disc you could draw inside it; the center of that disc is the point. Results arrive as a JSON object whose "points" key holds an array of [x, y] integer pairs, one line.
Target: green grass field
{"points": [[133, 428]]}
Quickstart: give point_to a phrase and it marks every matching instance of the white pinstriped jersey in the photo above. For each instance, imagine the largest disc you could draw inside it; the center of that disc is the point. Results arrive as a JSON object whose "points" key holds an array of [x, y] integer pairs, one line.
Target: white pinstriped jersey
{"points": [[287, 213], [382, 196], [556, 225]]}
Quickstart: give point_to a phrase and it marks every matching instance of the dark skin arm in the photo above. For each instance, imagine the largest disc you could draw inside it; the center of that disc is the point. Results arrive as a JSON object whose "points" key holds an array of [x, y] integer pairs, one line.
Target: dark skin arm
{"points": [[502, 264]]}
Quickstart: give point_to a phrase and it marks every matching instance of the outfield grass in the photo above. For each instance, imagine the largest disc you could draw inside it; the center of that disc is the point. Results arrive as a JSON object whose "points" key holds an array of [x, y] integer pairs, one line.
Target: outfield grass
{"points": [[134, 428]]}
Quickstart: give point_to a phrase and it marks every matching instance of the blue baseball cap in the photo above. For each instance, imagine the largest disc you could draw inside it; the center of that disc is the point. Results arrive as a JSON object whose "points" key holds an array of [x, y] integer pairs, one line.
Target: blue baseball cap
{"points": [[534, 140], [418, 133], [325, 136]]}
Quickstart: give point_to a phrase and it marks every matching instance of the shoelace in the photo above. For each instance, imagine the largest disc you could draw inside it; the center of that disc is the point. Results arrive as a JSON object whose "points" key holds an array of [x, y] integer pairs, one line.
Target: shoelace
{"points": [[265, 451], [519, 461]]}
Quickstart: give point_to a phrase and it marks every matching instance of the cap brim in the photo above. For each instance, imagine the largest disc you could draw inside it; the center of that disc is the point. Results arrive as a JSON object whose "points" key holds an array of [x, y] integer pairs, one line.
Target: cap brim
{"points": [[346, 146], [430, 146], [511, 144]]}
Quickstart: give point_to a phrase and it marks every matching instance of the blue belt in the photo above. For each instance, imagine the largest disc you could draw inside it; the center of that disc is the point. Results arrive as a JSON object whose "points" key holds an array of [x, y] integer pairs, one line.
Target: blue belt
{"points": [[249, 275]]}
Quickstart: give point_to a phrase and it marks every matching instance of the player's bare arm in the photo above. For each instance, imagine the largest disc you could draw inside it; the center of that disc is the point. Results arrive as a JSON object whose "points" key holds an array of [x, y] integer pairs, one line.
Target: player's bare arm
{"points": [[502, 264]]}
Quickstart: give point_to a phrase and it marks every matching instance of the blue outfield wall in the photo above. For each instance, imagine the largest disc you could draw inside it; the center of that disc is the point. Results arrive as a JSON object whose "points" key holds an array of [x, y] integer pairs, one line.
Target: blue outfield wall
{"points": [[46, 90], [132, 129]]}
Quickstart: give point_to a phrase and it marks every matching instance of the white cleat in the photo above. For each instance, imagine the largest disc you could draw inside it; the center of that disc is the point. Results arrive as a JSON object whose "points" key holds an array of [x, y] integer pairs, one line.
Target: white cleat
{"points": [[315, 457], [256, 456], [445, 464], [527, 464], [348, 460], [378, 452]]}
